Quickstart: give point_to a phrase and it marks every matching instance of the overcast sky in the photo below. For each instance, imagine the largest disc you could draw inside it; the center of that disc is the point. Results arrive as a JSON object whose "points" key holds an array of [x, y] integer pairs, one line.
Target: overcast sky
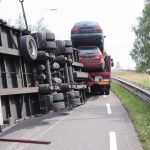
{"points": [[116, 17]]}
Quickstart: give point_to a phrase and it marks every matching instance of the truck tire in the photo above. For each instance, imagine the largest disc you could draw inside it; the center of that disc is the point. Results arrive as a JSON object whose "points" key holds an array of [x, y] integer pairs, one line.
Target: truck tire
{"points": [[60, 46], [107, 92], [68, 50], [49, 100], [70, 95], [28, 48], [75, 101], [49, 45], [102, 92], [58, 106], [58, 97], [68, 43], [50, 36], [44, 89], [76, 94]]}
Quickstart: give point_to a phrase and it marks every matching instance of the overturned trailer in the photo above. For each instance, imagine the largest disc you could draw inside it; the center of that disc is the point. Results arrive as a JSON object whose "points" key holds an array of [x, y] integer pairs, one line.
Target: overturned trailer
{"points": [[37, 74]]}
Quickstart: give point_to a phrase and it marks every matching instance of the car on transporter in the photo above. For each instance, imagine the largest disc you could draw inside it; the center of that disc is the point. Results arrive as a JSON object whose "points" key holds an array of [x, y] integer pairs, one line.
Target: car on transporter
{"points": [[87, 33], [91, 58]]}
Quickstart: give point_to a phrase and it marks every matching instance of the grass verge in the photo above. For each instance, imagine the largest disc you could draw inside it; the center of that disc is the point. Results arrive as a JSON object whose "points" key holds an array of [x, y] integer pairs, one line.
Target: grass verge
{"points": [[142, 79], [139, 112]]}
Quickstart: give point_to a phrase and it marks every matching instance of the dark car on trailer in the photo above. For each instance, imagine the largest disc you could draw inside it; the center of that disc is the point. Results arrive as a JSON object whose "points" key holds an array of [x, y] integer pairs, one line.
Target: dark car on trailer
{"points": [[87, 33]]}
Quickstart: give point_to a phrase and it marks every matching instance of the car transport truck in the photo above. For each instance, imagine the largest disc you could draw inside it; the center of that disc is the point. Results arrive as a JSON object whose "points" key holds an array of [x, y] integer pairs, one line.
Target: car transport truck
{"points": [[88, 38]]}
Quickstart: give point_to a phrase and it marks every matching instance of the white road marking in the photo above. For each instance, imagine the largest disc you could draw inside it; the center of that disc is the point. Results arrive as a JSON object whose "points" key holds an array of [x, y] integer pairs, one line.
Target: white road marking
{"points": [[108, 109], [104, 95], [113, 142]]}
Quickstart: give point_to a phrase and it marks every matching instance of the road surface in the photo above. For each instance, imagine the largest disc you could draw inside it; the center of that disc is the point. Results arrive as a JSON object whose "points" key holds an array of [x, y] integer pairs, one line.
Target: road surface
{"points": [[100, 124]]}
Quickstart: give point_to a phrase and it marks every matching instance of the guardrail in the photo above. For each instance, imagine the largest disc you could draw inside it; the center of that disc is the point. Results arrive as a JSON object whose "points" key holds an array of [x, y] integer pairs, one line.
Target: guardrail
{"points": [[143, 93]]}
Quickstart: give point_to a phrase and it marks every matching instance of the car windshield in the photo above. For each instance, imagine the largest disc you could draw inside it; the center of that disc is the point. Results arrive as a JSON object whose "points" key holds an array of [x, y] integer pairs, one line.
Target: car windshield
{"points": [[89, 51], [87, 23]]}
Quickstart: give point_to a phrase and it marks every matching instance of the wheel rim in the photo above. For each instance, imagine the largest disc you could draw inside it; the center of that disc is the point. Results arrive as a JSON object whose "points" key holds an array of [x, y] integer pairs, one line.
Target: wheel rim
{"points": [[32, 47]]}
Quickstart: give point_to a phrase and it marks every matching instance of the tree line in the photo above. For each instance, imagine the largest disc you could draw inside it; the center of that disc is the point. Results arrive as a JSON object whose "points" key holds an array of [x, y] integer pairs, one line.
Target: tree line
{"points": [[141, 46]]}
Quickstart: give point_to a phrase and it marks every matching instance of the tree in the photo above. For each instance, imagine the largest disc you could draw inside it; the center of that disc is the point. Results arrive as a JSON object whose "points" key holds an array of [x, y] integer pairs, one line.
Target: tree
{"points": [[39, 27], [19, 23], [141, 46]]}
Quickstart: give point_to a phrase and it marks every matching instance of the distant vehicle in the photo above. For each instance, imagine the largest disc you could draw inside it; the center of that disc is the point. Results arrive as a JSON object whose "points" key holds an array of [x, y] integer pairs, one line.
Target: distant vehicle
{"points": [[87, 33], [92, 58]]}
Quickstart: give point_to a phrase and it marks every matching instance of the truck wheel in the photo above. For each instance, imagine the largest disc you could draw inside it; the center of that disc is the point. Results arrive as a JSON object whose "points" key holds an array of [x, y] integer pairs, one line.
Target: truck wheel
{"points": [[68, 43], [58, 97], [76, 94], [60, 46], [50, 45], [107, 92], [28, 48], [70, 95], [50, 36], [59, 106], [101, 92], [44, 89], [75, 101], [68, 50], [49, 100]]}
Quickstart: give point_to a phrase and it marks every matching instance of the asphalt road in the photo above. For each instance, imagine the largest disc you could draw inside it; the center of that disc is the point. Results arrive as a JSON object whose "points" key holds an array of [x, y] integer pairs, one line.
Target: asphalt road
{"points": [[100, 124]]}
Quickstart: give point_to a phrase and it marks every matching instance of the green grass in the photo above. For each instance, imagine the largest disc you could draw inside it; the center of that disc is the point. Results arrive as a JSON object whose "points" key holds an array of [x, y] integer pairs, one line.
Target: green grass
{"points": [[139, 112], [142, 79]]}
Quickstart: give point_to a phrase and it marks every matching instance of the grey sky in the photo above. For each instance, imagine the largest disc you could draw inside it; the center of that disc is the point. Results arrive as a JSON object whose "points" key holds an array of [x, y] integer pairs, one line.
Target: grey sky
{"points": [[116, 17]]}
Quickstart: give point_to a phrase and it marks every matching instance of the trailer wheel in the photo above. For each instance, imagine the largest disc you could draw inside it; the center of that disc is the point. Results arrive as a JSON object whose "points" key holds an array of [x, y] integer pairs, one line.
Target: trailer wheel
{"points": [[107, 92], [70, 95], [28, 48], [68, 43], [68, 50], [49, 45], [50, 36], [102, 92], [44, 89], [59, 106], [60, 46], [49, 99], [76, 94], [58, 97], [75, 101]]}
